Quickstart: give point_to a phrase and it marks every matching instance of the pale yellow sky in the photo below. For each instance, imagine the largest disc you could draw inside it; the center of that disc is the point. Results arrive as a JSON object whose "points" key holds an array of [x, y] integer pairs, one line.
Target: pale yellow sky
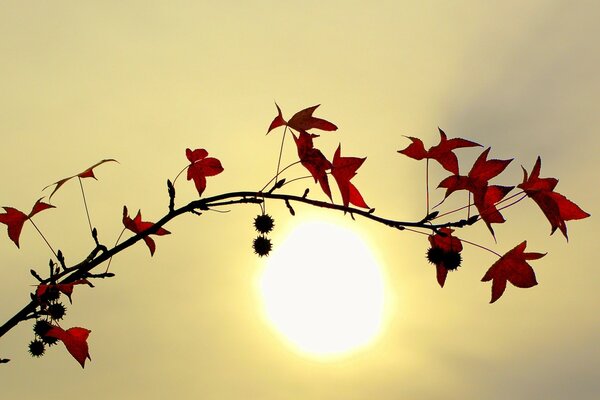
{"points": [[140, 81]]}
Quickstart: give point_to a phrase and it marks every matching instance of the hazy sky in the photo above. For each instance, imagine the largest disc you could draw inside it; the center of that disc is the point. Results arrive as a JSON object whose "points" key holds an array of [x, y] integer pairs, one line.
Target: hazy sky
{"points": [[140, 81]]}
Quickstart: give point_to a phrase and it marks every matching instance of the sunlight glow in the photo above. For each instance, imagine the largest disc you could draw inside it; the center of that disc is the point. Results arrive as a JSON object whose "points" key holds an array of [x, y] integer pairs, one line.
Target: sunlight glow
{"points": [[323, 290]]}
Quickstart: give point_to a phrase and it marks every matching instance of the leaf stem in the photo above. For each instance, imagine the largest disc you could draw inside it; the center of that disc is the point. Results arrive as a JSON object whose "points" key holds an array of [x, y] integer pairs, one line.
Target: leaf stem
{"points": [[513, 203], [427, 184], [116, 243], [180, 172], [275, 177], [469, 206], [43, 237], [480, 246], [495, 204], [280, 153], [87, 212]]}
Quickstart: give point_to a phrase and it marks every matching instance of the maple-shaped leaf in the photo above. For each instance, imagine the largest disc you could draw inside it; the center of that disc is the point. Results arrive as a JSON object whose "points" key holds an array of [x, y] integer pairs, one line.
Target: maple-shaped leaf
{"points": [[75, 340], [302, 121], [313, 160], [343, 169], [136, 225], [88, 173], [66, 288], [15, 219], [477, 182], [512, 267], [200, 167], [442, 152], [444, 253], [556, 207]]}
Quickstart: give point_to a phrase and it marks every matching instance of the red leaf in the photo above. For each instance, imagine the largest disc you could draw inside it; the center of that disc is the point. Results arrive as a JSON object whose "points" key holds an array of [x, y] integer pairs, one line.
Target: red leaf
{"points": [[442, 152], [476, 182], [200, 167], [448, 244], [66, 288], [303, 120], [75, 340], [88, 173], [343, 169], [415, 150], [512, 267], [277, 121], [15, 219], [556, 207], [313, 160], [485, 202], [446, 241], [136, 225]]}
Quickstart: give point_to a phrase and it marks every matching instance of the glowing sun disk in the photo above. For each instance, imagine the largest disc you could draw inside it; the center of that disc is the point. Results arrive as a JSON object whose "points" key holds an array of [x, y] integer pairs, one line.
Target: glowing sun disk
{"points": [[323, 290]]}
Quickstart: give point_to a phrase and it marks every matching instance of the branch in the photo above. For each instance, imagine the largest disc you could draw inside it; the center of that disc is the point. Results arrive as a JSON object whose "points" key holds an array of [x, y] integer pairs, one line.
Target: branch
{"points": [[101, 254]]}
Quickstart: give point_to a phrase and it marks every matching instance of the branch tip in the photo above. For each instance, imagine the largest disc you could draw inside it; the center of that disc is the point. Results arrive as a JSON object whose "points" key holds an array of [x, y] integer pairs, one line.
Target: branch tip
{"points": [[35, 275], [289, 206], [171, 191]]}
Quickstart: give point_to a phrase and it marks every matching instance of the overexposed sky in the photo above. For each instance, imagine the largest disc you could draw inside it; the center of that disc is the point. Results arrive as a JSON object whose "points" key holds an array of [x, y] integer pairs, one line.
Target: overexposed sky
{"points": [[141, 81]]}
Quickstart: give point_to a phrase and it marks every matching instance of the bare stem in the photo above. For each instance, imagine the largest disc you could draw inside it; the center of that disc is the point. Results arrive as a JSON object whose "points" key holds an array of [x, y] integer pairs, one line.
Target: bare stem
{"points": [[280, 153], [87, 211], [116, 243], [180, 172], [480, 246], [275, 177], [43, 237], [427, 184]]}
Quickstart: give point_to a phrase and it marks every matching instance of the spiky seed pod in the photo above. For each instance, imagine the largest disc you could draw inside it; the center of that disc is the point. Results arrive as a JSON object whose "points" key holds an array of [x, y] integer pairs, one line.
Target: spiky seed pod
{"points": [[262, 245], [448, 259], [37, 348], [41, 327], [264, 223], [435, 255], [49, 340], [56, 311], [452, 260]]}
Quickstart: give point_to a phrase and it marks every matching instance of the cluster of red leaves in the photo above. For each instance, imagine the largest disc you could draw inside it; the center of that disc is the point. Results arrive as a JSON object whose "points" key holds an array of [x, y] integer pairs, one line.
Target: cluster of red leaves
{"points": [[511, 267], [75, 339], [343, 169], [200, 167], [15, 219]]}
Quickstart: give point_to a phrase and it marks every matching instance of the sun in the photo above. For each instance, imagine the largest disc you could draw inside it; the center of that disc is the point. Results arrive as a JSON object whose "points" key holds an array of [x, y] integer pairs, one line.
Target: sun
{"points": [[323, 290]]}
